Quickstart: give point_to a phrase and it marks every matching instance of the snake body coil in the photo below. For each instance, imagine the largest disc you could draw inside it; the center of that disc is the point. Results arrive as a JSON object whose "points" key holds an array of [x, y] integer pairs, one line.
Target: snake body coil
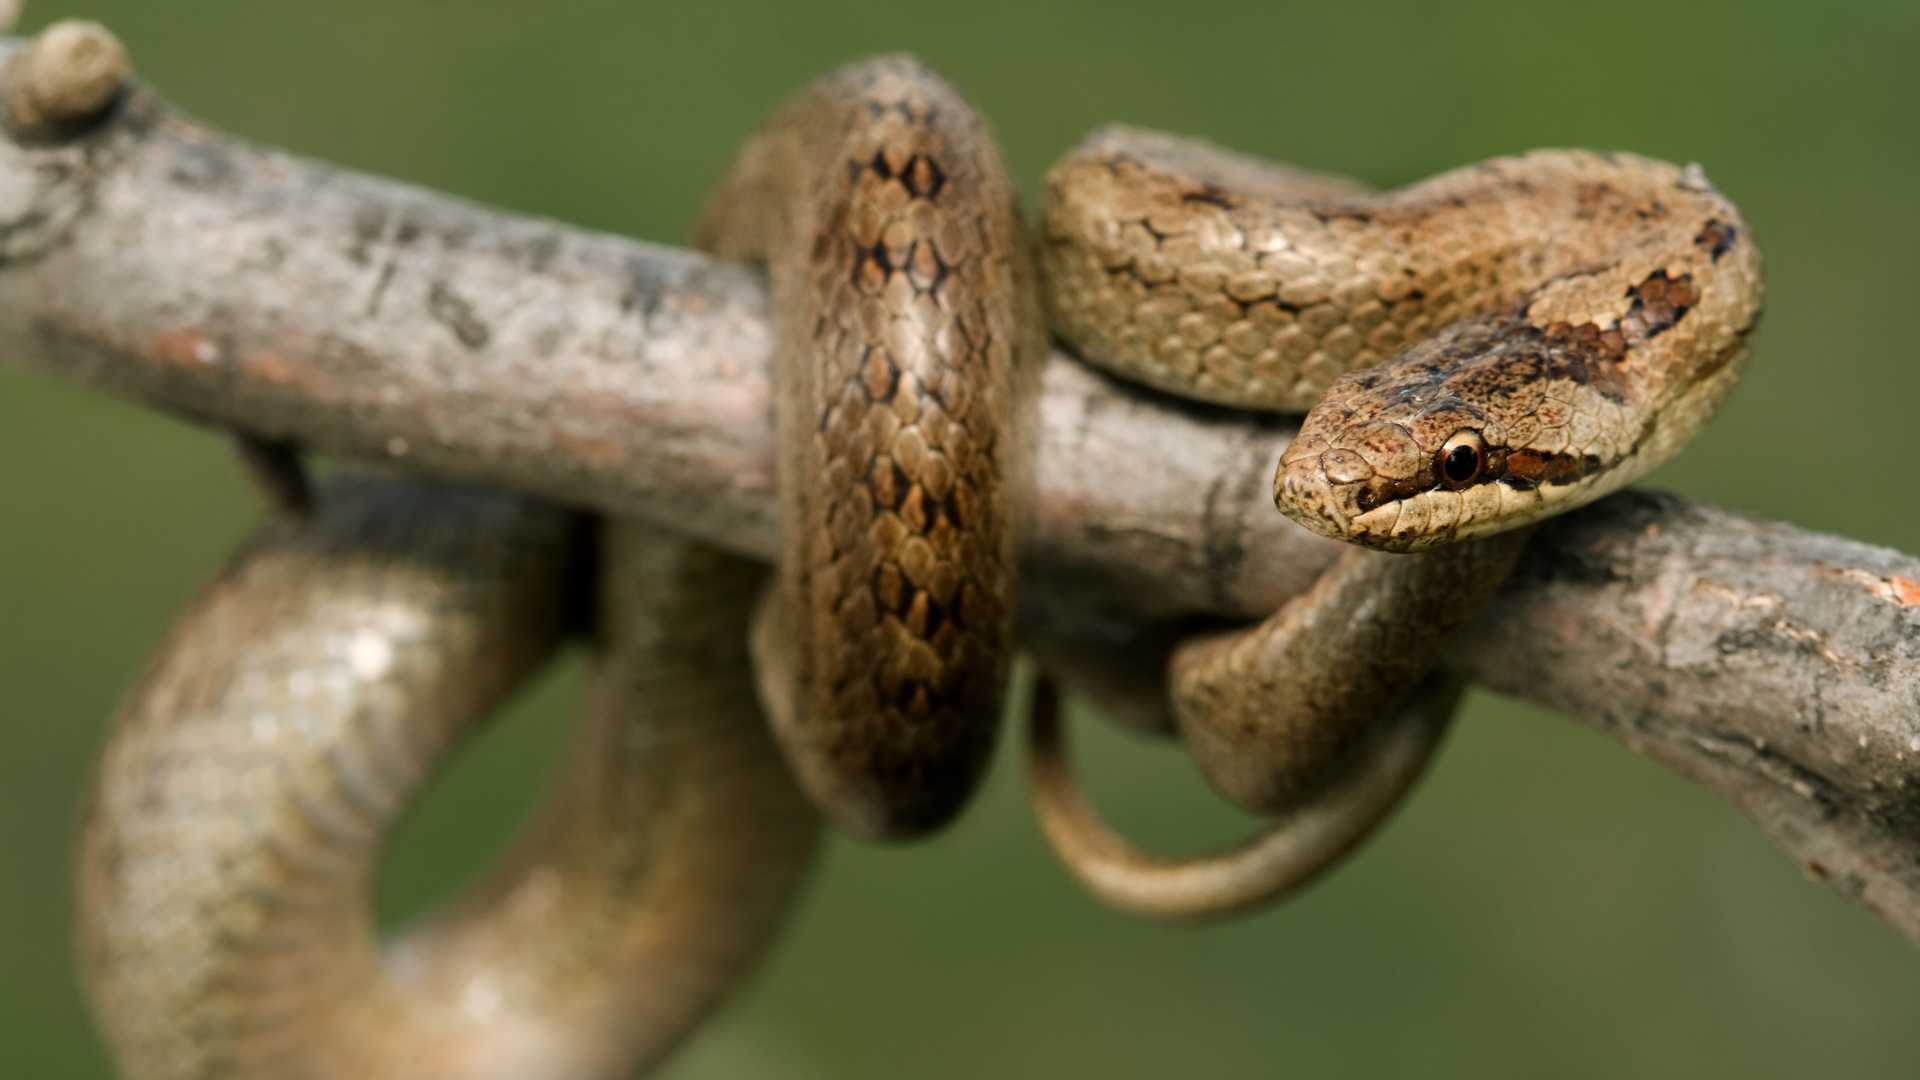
{"points": [[225, 872], [907, 332]]}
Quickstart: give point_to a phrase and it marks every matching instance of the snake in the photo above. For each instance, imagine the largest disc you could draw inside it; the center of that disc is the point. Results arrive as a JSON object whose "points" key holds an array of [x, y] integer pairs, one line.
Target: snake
{"points": [[306, 694], [908, 341], [1472, 353]]}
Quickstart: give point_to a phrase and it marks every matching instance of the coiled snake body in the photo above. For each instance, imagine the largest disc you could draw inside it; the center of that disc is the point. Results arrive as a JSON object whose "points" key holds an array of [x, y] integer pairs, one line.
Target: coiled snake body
{"points": [[1479, 350]]}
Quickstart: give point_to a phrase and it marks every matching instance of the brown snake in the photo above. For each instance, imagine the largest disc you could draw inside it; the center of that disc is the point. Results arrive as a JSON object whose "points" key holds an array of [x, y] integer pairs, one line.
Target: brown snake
{"points": [[312, 688], [1484, 348], [1478, 351], [908, 332]]}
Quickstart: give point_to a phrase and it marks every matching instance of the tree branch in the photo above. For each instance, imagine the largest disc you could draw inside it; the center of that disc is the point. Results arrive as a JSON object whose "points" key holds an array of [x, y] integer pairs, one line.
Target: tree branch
{"points": [[247, 289]]}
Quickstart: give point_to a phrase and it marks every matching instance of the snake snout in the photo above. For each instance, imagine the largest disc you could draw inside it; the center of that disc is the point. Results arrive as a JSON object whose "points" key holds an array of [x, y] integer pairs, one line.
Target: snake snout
{"points": [[1304, 490]]}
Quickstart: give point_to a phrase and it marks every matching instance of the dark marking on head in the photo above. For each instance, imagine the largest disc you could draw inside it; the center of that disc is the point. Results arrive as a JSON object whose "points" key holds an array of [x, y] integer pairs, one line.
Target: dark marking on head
{"points": [[1525, 468], [1528, 469], [1589, 197], [1328, 214], [1718, 237], [1588, 339], [1659, 302], [1584, 355], [1597, 353], [1208, 195]]}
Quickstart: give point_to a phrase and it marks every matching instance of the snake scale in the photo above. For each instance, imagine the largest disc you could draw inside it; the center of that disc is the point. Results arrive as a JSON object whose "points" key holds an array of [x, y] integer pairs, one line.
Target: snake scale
{"points": [[1474, 352]]}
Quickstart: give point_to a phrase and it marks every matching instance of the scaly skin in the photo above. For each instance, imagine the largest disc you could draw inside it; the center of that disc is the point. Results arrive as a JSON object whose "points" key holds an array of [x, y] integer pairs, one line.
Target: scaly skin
{"points": [[908, 331], [227, 856], [1479, 350]]}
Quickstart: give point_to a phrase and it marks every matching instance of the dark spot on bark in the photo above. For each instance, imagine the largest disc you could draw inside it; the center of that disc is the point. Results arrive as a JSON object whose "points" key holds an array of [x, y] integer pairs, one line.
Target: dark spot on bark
{"points": [[647, 283], [454, 238], [1572, 565], [540, 251], [380, 286], [452, 311], [1223, 524], [201, 167], [273, 255], [369, 225]]}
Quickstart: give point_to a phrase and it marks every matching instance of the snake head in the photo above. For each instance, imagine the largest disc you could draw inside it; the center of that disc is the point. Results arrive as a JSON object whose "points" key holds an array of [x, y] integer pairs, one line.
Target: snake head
{"points": [[1486, 427]]}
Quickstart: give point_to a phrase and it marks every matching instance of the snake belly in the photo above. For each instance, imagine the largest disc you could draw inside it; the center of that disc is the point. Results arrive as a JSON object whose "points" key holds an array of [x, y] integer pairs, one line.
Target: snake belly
{"points": [[1475, 352], [907, 338], [227, 854]]}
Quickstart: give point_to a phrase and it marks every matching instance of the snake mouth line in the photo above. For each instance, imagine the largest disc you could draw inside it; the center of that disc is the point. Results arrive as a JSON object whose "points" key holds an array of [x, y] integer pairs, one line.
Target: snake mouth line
{"points": [[1370, 512], [1523, 470]]}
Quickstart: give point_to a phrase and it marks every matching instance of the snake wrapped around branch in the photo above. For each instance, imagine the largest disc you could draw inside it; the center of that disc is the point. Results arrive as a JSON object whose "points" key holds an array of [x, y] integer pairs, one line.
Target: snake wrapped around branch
{"points": [[1474, 352]]}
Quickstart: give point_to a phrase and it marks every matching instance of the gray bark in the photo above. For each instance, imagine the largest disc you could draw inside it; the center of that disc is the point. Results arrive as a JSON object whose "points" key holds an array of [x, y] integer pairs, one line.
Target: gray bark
{"points": [[297, 303]]}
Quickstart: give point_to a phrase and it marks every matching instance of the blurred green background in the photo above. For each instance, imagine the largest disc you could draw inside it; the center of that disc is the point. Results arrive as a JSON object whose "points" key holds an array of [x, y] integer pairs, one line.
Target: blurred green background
{"points": [[1547, 905]]}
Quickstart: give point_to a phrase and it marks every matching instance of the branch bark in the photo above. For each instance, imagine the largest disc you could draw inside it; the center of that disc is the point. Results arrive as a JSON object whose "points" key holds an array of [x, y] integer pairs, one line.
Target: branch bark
{"points": [[250, 290]]}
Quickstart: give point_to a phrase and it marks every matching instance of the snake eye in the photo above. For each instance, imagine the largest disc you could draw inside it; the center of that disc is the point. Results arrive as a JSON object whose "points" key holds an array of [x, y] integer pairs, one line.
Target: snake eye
{"points": [[1461, 459]]}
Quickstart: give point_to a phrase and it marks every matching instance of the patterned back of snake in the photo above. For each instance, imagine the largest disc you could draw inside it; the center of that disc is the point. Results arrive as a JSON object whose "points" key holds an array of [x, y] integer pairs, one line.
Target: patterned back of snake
{"points": [[1479, 350]]}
